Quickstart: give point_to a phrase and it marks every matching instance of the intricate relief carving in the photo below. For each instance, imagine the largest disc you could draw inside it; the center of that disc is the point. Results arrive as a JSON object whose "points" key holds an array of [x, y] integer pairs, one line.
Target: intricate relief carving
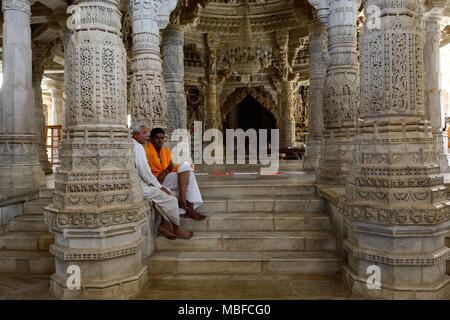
{"points": [[395, 216], [89, 254], [259, 94], [148, 92], [195, 101], [384, 258]]}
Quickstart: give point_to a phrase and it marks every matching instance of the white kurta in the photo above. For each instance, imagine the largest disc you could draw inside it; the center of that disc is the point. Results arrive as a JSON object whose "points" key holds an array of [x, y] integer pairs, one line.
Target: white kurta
{"points": [[193, 194], [166, 205]]}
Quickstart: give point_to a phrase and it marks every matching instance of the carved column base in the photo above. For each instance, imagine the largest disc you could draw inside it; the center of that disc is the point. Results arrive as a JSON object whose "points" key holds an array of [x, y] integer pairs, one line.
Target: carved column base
{"points": [[412, 265], [123, 288], [313, 153], [396, 212], [336, 157], [98, 216], [110, 257]]}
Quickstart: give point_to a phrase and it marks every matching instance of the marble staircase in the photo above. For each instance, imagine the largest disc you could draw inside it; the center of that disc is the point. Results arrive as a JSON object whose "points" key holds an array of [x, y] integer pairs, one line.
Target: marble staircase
{"points": [[272, 228], [24, 246], [262, 234]]}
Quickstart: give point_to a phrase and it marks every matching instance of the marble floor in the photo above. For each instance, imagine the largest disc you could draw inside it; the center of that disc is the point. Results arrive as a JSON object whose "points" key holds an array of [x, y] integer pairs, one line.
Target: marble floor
{"points": [[223, 287], [200, 287], [24, 287]]}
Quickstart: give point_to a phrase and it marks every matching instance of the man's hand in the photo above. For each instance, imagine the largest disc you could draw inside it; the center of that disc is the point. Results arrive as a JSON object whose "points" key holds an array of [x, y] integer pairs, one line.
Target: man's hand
{"points": [[161, 176], [169, 167], [166, 190]]}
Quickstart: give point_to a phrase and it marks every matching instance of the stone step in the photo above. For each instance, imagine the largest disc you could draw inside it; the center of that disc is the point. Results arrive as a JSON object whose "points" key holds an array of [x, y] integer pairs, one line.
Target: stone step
{"points": [[244, 262], [283, 165], [263, 204], [28, 222], [231, 190], [36, 206], [259, 221], [251, 241], [29, 262], [26, 240]]}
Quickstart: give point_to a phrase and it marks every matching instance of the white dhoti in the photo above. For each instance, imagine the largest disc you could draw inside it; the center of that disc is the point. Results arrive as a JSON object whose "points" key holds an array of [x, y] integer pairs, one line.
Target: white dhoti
{"points": [[193, 194], [166, 205]]}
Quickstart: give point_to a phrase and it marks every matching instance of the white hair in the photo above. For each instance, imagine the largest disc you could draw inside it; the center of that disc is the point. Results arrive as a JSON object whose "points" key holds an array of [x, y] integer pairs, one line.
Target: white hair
{"points": [[136, 127]]}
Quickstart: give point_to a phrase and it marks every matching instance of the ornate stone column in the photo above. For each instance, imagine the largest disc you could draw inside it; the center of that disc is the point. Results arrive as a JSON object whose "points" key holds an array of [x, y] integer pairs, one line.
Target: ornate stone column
{"points": [[47, 103], [283, 74], [214, 78], [148, 92], [98, 211], [173, 71], [42, 53], [317, 72], [396, 213], [341, 92], [286, 114], [434, 109], [20, 171], [57, 91], [184, 16], [211, 118]]}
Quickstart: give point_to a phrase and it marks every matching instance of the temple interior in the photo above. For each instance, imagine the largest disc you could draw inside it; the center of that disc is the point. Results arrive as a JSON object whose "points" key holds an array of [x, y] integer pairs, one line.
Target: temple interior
{"points": [[358, 93]]}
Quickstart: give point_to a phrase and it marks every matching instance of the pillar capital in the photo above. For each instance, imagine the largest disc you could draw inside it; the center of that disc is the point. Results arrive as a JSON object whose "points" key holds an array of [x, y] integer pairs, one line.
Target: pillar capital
{"points": [[17, 5], [187, 12]]}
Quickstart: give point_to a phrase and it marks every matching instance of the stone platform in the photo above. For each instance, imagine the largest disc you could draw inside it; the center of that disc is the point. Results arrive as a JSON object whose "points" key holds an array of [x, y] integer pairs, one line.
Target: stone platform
{"points": [[266, 237]]}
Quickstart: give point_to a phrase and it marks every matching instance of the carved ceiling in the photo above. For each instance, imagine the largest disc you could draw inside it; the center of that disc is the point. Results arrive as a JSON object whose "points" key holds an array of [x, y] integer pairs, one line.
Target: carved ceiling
{"points": [[223, 17], [218, 17]]}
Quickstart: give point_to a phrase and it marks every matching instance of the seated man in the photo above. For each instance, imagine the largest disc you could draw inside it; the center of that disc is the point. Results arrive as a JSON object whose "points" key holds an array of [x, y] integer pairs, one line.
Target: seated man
{"points": [[179, 179], [163, 199]]}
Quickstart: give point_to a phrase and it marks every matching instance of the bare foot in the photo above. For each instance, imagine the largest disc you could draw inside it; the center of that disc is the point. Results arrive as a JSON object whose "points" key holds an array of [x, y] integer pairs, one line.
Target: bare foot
{"points": [[183, 234], [166, 233], [194, 215]]}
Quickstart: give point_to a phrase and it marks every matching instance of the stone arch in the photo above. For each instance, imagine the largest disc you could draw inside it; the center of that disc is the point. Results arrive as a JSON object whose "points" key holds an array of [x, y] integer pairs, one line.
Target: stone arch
{"points": [[261, 95]]}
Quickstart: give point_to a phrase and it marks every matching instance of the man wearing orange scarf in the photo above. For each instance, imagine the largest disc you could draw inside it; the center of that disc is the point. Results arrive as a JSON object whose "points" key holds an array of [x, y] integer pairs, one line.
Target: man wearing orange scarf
{"points": [[180, 179]]}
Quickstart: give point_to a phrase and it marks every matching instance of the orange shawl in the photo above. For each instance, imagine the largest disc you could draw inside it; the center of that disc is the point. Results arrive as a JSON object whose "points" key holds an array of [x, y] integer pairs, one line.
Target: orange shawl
{"points": [[153, 161], [448, 134]]}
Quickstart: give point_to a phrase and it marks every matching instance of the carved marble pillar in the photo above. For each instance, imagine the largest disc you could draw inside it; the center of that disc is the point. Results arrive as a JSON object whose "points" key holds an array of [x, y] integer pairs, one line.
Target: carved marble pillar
{"points": [[341, 92], [20, 171], [173, 71], [286, 114], [434, 108], [57, 91], [98, 212], [41, 53], [47, 103], [212, 80], [211, 120], [317, 72], [148, 92], [396, 213], [283, 74]]}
